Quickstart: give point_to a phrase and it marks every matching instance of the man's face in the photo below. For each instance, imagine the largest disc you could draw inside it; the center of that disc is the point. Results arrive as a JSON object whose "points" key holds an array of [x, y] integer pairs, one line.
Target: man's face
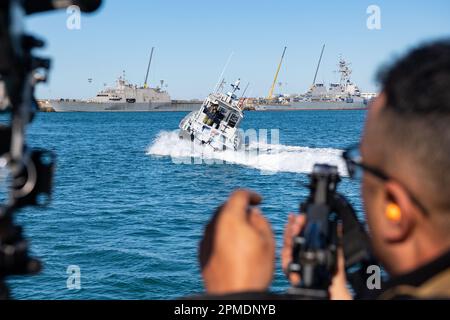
{"points": [[374, 197]]}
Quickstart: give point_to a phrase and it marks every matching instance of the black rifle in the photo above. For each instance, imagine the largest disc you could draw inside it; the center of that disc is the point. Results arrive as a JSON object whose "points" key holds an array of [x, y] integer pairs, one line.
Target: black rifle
{"points": [[31, 170], [314, 255]]}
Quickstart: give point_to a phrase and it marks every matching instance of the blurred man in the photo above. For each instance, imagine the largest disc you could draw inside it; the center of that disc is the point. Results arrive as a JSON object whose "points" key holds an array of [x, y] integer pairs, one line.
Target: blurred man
{"points": [[404, 162]]}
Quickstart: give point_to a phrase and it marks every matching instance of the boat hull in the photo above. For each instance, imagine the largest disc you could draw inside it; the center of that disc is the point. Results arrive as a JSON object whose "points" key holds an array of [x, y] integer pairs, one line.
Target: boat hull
{"points": [[80, 106], [192, 130], [312, 105]]}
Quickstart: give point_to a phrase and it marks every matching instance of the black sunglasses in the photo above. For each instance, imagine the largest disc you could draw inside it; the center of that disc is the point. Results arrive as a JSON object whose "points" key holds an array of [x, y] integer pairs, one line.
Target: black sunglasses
{"points": [[356, 168]]}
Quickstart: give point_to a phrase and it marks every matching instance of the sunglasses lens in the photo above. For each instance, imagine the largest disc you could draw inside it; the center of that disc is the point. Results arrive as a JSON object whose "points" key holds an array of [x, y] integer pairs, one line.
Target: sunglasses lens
{"points": [[352, 160], [350, 168], [357, 172]]}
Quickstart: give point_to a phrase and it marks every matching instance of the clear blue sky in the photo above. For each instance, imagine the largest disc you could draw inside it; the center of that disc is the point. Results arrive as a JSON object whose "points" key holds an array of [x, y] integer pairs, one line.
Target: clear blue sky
{"points": [[193, 40]]}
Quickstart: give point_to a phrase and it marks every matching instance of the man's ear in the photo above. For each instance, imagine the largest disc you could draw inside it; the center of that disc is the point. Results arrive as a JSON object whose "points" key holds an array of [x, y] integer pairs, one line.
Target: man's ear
{"points": [[400, 214]]}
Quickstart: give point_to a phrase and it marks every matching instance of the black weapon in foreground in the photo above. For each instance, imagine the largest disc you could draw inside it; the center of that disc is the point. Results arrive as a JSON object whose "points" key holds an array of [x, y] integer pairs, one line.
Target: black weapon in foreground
{"points": [[314, 255], [30, 170]]}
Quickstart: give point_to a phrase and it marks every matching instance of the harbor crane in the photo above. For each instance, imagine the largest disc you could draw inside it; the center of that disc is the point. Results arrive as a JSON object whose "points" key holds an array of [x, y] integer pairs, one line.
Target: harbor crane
{"points": [[148, 68], [270, 96], [318, 65]]}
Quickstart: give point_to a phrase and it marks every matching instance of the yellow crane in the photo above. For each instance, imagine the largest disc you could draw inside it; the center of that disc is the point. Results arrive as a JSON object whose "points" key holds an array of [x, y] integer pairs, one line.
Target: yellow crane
{"points": [[270, 96], [148, 68]]}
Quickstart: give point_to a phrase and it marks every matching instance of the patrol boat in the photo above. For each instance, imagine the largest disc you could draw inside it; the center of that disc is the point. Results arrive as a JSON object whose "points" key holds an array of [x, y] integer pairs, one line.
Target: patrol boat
{"points": [[216, 123]]}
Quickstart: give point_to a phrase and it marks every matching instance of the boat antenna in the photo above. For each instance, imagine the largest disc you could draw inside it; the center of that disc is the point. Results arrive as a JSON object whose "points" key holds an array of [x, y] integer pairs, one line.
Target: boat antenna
{"points": [[222, 83], [269, 97], [223, 71], [242, 99], [245, 90], [318, 65], [148, 67]]}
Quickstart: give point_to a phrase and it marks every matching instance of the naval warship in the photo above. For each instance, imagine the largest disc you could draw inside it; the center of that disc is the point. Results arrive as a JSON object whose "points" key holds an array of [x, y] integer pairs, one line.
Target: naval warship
{"points": [[343, 95], [126, 96]]}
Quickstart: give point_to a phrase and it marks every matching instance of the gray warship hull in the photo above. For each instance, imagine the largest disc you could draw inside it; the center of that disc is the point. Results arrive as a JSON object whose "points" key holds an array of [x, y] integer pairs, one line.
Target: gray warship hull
{"points": [[313, 105], [81, 106]]}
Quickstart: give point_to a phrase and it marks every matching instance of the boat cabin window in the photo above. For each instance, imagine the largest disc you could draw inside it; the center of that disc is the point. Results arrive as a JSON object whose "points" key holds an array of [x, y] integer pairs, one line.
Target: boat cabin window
{"points": [[222, 111], [211, 108], [233, 120]]}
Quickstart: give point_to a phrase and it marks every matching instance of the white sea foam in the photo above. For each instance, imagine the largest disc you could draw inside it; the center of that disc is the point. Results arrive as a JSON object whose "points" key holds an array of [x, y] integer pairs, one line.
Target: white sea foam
{"points": [[269, 158]]}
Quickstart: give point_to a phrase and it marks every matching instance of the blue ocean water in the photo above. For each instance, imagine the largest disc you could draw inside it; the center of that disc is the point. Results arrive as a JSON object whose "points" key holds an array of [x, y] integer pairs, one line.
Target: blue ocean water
{"points": [[129, 210]]}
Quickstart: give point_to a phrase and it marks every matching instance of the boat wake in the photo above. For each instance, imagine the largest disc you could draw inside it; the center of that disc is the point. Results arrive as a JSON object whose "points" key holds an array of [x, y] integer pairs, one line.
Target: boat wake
{"points": [[270, 158]]}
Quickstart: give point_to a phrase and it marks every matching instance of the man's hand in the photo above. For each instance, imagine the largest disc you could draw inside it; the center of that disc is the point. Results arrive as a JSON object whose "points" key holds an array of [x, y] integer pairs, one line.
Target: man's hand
{"points": [[338, 289], [243, 255], [292, 228]]}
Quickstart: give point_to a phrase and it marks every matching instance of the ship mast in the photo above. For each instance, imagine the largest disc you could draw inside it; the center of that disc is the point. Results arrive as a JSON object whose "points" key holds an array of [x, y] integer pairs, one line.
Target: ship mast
{"points": [[148, 68], [318, 65], [269, 97], [345, 71]]}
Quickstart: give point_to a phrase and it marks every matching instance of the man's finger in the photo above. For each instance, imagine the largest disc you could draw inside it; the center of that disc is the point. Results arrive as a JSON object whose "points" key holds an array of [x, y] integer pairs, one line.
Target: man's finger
{"points": [[287, 235], [338, 288], [293, 228], [294, 278], [340, 230], [260, 223], [239, 202], [298, 225], [286, 251]]}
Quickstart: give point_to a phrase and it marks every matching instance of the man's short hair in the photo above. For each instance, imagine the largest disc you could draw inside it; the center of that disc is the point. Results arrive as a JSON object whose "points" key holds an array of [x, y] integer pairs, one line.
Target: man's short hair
{"points": [[417, 114]]}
